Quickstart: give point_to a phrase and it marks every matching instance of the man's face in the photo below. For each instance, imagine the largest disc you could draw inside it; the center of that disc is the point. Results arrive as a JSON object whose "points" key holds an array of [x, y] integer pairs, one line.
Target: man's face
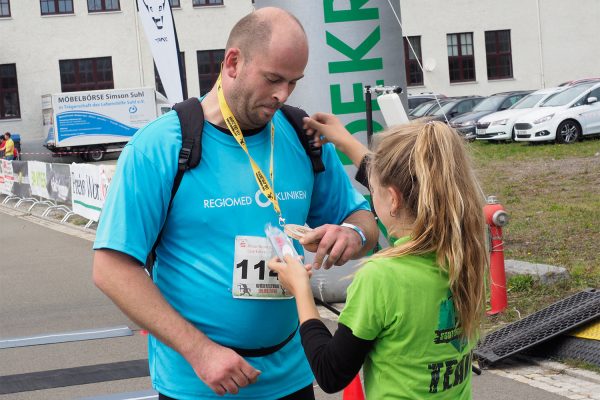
{"points": [[265, 82], [155, 9]]}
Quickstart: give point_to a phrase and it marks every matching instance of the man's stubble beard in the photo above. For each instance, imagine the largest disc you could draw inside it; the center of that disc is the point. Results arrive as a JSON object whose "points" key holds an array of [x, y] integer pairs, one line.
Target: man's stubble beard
{"points": [[247, 117]]}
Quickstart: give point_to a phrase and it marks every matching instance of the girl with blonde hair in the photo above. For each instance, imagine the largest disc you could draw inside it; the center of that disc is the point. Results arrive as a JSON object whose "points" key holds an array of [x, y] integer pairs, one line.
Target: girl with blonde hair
{"points": [[413, 310]]}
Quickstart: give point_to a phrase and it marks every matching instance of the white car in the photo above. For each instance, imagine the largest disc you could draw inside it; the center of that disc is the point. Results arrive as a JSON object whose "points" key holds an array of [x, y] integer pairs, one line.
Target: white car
{"points": [[564, 117], [500, 125]]}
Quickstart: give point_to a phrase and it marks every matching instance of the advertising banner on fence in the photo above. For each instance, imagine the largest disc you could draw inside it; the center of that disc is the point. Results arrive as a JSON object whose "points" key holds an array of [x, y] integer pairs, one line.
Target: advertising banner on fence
{"points": [[58, 182], [6, 177], [89, 185], [21, 186], [37, 178]]}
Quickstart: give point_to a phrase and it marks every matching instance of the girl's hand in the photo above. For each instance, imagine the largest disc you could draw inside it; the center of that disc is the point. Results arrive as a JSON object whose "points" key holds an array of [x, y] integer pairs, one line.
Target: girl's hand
{"points": [[292, 274], [326, 128]]}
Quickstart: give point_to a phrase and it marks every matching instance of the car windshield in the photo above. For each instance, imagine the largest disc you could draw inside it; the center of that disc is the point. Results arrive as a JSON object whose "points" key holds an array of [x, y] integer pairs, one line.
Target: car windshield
{"points": [[445, 108], [421, 109], [528, 101], [567, 96], [434, 109], [490, 104]]}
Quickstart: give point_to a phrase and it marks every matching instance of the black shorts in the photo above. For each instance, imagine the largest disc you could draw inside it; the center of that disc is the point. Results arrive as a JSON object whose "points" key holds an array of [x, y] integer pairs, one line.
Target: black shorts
{"points": [[306, 393]]}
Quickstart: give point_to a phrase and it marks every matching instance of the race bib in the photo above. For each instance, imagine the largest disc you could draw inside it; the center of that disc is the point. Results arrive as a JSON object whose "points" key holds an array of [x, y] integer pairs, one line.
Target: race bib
{"points": [[252, 279]]}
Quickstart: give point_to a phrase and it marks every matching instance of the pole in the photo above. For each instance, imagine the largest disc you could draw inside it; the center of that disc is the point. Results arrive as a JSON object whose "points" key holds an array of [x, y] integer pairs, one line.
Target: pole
{"points": [[369, 111]]}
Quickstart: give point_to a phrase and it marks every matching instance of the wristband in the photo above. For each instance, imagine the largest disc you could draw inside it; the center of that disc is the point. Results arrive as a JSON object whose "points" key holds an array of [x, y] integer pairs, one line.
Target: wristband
{"points": [[363, 238]]}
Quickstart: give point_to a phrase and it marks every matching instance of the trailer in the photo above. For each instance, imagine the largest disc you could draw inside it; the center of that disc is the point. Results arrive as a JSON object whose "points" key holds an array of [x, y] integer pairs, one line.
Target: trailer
{"points": [[93, 123]]}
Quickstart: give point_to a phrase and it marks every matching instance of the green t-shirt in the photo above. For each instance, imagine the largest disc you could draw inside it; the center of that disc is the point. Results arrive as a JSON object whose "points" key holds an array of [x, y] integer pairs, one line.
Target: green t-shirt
{"points": [[405, 305]]}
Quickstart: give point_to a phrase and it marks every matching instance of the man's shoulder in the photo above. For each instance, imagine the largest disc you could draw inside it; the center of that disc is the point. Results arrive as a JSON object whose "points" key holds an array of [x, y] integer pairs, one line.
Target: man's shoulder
{"points": [[162, 130], [158, 142]]}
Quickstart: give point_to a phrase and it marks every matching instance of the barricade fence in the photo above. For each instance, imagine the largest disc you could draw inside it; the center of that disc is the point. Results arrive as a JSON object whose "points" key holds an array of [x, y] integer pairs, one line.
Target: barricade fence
{"points": [[73, 189]]}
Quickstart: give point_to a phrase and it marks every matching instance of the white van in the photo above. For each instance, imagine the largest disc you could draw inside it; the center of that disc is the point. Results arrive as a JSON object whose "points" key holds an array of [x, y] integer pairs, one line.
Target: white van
{"points": [[564, 117]]}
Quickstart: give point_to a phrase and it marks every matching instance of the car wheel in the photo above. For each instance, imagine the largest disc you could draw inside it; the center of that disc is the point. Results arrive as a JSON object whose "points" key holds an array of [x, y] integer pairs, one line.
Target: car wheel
{"points": [[513, 135], [568, 132], [96, 154]]}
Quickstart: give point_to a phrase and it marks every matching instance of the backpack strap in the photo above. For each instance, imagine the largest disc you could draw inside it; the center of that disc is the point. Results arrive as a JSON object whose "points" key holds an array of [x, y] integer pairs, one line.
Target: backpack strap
{"points": [[295, 115], [191, 119]]}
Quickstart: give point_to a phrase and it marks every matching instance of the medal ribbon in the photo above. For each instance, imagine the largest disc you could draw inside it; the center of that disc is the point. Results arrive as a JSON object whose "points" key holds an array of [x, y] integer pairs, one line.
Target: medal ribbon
{"points": [[263, 183]]}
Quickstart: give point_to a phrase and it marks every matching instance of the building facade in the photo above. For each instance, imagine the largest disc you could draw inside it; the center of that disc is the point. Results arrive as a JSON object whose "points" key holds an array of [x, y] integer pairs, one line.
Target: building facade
{"points": [[53, 46], [465, 46], [487, 46]]}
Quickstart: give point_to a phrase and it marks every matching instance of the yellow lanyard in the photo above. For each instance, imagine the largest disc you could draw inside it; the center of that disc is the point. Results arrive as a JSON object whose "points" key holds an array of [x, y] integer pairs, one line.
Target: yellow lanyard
{"points": [[236, 131]]}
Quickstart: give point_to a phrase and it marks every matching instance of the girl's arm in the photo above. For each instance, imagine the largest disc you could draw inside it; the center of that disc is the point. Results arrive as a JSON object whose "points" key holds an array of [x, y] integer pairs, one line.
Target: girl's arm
{"points": [[327, 128], [336, 360]]}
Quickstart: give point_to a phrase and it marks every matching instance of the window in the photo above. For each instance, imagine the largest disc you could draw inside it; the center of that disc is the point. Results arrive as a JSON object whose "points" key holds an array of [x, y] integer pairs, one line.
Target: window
{"points": [[414, 75], [9, 92], [159, 86], [174, 4], [86, 74], [103, 5], [52, 7], [461, 62], [209, 66], [200, 3], [498, 54], [4, 8], [510, 101], [465, 106], [594, 93]]}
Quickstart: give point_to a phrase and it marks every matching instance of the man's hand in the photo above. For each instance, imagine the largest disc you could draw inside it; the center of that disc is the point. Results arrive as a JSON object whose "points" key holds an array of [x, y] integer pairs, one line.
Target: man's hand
{"points": [[333, 245], [222, 369]]}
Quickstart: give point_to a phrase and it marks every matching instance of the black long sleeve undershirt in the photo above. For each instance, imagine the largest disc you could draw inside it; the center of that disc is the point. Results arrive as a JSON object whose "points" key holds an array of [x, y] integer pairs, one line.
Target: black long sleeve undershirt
{"points": [[335, 360]]}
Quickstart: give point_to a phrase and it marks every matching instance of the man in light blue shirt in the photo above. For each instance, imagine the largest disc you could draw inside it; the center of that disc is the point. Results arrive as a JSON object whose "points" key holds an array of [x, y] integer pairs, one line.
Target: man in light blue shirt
{"points": [[212, 300]]}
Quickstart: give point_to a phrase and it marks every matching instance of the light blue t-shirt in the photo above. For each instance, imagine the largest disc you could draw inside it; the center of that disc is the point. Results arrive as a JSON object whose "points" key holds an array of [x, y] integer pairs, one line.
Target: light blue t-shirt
{"points": [[216, 201]]}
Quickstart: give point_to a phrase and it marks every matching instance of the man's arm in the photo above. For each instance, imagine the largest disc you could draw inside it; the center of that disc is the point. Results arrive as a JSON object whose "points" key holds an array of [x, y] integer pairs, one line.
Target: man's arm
{"points": [[122, 279], [336, 244], [365, 221]]}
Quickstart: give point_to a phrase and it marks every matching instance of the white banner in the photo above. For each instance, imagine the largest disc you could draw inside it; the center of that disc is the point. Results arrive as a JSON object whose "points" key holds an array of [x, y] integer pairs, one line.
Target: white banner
{"points": [[37, 178], [160, 31], [89, 185], [352, 44], [6, 177]]}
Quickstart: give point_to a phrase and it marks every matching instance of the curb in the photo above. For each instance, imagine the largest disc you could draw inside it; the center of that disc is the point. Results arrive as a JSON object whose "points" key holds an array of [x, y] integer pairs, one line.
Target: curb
{"points": [[582, 374], [69, 229]]}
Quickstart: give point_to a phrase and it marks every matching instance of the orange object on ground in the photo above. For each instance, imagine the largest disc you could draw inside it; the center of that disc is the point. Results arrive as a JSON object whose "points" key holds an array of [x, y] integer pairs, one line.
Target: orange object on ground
{"points": [[354, 390], [496, 217]]}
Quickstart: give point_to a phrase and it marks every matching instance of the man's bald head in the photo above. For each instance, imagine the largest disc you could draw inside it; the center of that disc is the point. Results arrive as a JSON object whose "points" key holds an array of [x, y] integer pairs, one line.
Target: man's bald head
{"points": [[253, 33]]}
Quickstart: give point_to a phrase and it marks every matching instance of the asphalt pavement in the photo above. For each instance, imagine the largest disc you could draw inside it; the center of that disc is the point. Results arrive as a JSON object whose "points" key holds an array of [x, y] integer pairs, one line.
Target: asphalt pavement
{"points": [[46, 291]]}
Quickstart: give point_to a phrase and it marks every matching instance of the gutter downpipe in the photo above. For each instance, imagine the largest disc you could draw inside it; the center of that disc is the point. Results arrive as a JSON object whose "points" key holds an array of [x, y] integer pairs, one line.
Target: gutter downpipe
{"points": [[542, 76]]}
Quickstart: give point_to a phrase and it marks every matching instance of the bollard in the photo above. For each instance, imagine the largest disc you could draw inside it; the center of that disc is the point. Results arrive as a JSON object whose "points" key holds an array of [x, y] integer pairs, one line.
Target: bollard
{"points": [[354, 390], [496, 217]]}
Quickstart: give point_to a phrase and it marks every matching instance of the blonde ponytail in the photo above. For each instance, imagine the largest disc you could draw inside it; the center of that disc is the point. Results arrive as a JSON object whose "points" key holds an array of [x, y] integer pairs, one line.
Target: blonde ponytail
{"points": [[429, 165]]}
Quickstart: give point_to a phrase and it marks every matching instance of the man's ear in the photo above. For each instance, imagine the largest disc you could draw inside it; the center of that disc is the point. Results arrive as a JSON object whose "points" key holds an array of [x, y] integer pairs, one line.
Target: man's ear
{"points": [[232, 62]]}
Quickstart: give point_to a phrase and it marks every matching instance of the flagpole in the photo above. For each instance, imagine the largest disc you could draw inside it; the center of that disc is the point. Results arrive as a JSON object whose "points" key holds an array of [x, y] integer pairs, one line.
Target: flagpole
{"points": [[139, 45], [179, 58]]}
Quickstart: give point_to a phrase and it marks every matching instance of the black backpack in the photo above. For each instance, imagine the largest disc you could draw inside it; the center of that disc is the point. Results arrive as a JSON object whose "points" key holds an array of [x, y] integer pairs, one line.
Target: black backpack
{"points": [[191, 118]]}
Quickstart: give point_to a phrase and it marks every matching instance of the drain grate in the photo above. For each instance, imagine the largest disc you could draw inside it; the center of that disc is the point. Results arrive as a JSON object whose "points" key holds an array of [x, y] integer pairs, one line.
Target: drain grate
{"points": [[568, 347], [540, 326]]}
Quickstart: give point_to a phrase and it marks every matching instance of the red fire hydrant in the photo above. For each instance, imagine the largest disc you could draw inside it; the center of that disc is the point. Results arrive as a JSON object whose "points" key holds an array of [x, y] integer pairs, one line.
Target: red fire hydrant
{"points": [[496, 217]]}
